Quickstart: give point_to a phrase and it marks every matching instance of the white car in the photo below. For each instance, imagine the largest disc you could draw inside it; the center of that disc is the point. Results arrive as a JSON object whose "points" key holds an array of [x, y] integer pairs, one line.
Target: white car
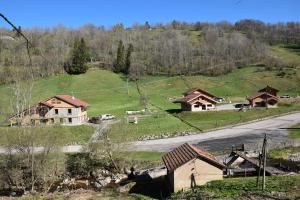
{"points": [[107, 117]]}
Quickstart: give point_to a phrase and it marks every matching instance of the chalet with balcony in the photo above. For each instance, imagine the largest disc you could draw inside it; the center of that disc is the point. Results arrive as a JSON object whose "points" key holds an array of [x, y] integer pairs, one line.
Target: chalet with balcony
{"points": [[59, 109], [197, 99], [266, 97]]}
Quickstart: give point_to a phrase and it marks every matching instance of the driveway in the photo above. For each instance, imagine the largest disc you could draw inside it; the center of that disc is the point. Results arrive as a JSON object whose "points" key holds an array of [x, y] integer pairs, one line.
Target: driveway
{"points": [[250, 134]]}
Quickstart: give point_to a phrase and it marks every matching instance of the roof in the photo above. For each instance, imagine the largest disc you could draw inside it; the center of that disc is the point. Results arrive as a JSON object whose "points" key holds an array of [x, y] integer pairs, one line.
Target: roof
{"points": [[72, 100], [253, 161], [260, 94], [237, 154], [186, 152], [192, 96], [268, 89], [190, 91]]}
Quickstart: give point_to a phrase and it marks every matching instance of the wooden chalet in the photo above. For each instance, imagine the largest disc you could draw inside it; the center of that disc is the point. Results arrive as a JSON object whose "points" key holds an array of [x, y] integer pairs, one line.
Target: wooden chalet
{"points": [[188, 166], [266, 97], [197, 99]]}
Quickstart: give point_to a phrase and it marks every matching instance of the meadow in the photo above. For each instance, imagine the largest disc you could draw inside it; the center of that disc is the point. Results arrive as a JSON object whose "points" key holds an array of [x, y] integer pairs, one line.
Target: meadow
{"points": [[107, 92]]}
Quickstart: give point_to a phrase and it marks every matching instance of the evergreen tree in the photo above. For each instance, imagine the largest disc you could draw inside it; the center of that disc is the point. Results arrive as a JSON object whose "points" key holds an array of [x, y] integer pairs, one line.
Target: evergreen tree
{"points": [[127, 60], [80, 56], [120, 61]]}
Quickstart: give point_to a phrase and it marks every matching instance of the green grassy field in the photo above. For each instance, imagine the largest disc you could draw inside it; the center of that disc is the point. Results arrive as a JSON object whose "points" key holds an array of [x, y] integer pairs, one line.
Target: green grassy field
{"points": [[241, 188], [295, 131], [283, 153], [107, 92], [66, 134]]}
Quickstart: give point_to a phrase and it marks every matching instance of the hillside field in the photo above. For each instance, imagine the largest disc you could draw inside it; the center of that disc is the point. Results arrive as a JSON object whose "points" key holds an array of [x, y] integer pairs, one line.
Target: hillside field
{"points": [[108, 92]]}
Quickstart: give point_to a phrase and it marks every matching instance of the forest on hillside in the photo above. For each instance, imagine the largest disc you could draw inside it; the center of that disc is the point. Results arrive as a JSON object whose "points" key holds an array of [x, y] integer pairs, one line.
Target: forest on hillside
{"points": [[175, 48]]}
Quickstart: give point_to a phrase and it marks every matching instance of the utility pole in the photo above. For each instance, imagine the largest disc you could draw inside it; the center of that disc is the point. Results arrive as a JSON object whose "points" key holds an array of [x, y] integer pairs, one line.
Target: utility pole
{"points": [[262, 164], [127, 86]]}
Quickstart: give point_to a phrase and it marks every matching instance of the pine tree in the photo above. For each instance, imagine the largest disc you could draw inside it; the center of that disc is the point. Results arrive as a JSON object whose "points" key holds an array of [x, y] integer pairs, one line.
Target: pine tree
{"points": [[79, 58], [128, 59], [120, 61]]}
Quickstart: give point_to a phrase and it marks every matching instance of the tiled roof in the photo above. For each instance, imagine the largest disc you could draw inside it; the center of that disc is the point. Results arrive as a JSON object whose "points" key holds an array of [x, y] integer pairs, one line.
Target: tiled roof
{"points": [[268, 89], [185, 153], [191, 91], [188, 98], [260, 94], [72, 100]]}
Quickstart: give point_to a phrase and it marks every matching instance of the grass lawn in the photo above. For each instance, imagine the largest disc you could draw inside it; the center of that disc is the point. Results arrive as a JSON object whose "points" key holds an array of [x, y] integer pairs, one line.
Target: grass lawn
{"points": [[66, 134], [166, 123], [240, 188], [283, 153], [107, 92], [295, 131]]}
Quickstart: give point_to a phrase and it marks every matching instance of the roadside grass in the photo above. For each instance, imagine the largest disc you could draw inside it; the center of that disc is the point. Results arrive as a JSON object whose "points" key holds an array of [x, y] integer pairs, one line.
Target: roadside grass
{"points": [[242, 188], [140, 159], [66, 134], [282, 153], [203, 121], [295, 131]]}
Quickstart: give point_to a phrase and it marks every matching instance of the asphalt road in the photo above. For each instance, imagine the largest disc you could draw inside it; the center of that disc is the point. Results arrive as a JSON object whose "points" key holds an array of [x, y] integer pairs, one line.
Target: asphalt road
{"points": [[250, 134]]}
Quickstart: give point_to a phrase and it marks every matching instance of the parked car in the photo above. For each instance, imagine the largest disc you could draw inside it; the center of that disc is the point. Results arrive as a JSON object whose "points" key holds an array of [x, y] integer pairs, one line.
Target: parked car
{"points": [[219, 99], [95, 120], [241, 105], [107, 117], [286, 96], [238, 105]]}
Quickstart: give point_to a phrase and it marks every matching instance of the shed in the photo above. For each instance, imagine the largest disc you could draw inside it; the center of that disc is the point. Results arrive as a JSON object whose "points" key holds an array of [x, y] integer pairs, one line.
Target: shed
{"points": [[188, 166]]}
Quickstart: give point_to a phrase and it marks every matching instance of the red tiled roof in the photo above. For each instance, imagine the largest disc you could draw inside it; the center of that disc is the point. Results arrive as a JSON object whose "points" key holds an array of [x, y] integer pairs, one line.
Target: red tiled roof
{"points": [[260, 94], [200, 90], [190, 97], [186, 152], [72, 100]]}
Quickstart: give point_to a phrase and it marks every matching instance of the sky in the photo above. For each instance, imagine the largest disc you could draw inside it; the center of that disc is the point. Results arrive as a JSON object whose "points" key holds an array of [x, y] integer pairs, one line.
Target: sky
{"points": [[75, 13]]}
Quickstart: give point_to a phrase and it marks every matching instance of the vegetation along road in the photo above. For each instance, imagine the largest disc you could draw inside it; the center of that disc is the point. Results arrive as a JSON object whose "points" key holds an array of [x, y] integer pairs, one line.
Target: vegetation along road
{"points": [[250, 134]]}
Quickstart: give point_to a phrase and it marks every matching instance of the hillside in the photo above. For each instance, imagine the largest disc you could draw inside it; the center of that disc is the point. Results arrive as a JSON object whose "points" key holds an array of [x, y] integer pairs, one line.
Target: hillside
{"points": [[106, 92]]}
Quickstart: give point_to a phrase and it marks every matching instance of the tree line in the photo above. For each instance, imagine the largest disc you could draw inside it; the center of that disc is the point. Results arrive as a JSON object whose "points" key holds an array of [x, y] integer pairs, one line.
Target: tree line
{"points": [[171, 49]]}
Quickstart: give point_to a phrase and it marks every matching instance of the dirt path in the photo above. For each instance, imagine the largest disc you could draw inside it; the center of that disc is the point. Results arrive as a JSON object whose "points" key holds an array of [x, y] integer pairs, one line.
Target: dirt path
{"points": [[220, 139]]}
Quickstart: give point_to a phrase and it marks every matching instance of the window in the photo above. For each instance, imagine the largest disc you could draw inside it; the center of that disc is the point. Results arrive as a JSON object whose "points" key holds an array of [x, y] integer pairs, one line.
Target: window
{"points": [[196, 106], [69, 111], [70, 120], [209, 105], [56, 111], [61, 120]]}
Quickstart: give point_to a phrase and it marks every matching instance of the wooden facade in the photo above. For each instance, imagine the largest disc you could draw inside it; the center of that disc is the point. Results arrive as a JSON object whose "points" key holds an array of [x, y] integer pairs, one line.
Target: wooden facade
{"points": [[197, 100], [266, 97], [59, 109]]}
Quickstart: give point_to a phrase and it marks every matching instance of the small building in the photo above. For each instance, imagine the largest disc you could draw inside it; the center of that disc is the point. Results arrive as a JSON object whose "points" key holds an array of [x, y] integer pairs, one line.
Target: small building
{"points": [[59, 109], [197, 99], [240, 164], [188, 166], [266, 97]]}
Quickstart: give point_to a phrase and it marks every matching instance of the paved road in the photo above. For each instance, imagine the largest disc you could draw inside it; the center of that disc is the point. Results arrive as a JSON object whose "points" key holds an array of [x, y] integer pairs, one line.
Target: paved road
{"points": [[250, 134]]}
